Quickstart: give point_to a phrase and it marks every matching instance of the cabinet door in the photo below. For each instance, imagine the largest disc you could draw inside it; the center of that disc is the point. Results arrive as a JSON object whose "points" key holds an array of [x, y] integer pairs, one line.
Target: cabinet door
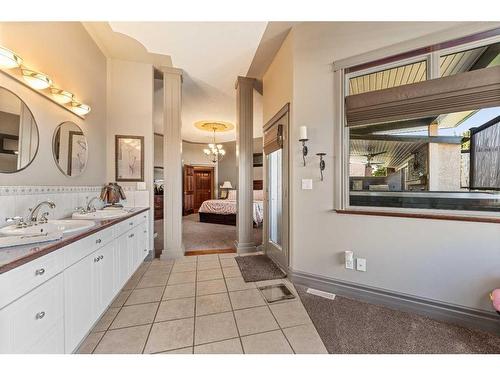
{"points": [[105, 277], [81, 300], [34, 323], [122, 260]]}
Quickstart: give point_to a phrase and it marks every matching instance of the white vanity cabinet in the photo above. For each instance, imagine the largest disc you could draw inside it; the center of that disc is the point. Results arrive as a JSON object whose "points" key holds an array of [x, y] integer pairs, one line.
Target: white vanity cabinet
{"points": [[52, 311], [89, 288]]}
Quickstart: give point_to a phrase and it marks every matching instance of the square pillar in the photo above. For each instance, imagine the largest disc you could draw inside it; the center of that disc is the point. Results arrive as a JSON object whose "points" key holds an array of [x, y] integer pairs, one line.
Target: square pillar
{"points": [[244, 155], [172, 155]]}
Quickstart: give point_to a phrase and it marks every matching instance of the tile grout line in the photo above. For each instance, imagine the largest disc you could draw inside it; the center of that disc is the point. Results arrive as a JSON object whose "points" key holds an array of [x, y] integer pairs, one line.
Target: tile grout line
{"points": [[195, 303], [156, 313], [120, 308], [232, 310]]}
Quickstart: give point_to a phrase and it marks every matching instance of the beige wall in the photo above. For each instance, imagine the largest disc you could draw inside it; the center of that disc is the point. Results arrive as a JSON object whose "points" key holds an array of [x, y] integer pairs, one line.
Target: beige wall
{"points": [[130, 106], [278, 80], [452, 262], [70, 57]]}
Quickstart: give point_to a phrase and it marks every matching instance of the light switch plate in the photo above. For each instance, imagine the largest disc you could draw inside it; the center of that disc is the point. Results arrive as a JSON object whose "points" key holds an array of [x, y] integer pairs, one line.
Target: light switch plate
{"points": [[307, 184], [349, 259], [361, 264]]}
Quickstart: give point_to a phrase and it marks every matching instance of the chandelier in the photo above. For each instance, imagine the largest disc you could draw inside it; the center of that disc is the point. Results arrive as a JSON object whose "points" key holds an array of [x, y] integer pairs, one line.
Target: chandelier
{"points": [[215, 151]]}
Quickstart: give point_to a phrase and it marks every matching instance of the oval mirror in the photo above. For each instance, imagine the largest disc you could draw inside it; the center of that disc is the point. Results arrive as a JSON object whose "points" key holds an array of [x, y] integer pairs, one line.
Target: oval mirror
{"points": [[18, 133], [70, 149]]}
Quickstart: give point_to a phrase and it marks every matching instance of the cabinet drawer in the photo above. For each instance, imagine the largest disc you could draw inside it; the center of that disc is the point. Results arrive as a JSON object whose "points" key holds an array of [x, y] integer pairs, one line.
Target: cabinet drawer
{"points": [[34, 323], [20, 280], [80, 249], [130, 223]]}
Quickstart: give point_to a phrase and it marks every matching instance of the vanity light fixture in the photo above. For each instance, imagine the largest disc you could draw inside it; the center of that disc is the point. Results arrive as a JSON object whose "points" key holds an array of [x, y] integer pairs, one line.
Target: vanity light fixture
{"points": [[321, 163], [303, 138], [35, 79], [80, 108], [9, 59], [61, 96], [40, 81]]}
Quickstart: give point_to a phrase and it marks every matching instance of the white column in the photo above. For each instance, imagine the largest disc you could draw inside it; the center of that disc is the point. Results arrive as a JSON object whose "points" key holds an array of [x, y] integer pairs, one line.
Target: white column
{"points": [[172, 154], [244, 155]]}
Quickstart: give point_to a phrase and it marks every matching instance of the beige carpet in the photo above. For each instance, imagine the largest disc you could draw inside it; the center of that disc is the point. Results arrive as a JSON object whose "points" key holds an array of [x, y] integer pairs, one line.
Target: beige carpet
{"points": [[207, 236]]}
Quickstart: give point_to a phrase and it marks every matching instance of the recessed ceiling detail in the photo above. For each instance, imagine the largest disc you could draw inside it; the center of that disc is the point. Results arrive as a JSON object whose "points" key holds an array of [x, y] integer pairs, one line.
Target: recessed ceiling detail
{"points": [[214, 126]]}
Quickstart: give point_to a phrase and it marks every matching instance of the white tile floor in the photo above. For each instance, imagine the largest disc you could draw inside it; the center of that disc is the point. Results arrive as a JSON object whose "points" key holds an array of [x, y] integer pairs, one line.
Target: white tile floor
{"points": [[200, 304]]}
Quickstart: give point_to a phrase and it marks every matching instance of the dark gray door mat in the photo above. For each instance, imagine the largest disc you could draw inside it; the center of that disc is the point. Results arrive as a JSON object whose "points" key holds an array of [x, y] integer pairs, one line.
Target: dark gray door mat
{"points": [[349, 326], [258, 268]]}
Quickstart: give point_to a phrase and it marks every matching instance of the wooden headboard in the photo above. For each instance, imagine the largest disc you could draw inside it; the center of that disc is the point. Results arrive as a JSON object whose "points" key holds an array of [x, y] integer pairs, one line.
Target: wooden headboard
{"points": [[258, 184]]}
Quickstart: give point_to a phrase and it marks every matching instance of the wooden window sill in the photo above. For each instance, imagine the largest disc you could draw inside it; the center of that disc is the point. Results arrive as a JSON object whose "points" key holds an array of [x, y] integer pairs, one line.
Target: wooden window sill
{"points": [[477, 219]]}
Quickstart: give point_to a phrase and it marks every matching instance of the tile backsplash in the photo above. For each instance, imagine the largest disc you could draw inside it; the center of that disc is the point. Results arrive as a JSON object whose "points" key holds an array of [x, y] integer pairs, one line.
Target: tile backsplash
{"points": [[16, 200]]}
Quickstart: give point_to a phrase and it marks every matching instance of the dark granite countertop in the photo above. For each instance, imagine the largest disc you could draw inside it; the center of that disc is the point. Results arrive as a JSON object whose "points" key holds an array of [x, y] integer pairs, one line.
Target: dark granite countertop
{"points": [[15, 256]]}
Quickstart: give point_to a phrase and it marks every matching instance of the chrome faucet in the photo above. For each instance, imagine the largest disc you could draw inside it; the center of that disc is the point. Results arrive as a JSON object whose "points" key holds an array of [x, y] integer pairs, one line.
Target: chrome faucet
{"points": [[90, 204], [33, 217]]}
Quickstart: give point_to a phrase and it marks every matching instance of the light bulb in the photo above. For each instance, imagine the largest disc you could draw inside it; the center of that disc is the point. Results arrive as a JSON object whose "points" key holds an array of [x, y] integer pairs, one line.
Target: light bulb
{"points": [[206, 151], [222, 152], [219, 147], [37, 80], [9, 59]]}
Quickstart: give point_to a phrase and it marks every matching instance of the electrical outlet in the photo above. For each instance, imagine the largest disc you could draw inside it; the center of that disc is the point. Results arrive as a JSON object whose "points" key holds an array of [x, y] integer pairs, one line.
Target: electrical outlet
{"points": [[349, 259], [361, 264]]}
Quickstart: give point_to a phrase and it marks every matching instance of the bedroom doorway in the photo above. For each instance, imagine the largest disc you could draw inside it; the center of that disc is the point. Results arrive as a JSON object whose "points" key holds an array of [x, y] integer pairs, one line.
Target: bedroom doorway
{"points": [[276, 188], [199, 186]]}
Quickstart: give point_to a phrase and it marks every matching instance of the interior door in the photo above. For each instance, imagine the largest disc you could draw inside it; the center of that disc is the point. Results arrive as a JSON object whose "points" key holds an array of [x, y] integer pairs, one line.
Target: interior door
{"points": [[203, 180], [188, 201], [276, 187]]}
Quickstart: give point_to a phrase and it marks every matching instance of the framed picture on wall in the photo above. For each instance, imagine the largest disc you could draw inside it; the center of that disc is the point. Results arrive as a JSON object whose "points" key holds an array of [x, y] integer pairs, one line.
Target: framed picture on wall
{"points": [[77, 153], [129, 158]]}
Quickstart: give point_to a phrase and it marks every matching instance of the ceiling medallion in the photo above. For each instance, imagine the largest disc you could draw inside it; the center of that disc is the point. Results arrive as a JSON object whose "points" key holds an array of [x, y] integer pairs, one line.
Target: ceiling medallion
{"points": [[215, 151]]}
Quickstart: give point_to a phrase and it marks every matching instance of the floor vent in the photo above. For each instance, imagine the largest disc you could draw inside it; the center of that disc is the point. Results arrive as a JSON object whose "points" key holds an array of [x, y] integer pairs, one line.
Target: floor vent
{"points": [[276, 292], [320, 293]]}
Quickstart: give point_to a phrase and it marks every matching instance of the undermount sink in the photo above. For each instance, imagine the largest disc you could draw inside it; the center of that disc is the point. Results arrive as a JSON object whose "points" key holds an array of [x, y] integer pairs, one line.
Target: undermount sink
{"points": [[101, 214], [63, 226]]}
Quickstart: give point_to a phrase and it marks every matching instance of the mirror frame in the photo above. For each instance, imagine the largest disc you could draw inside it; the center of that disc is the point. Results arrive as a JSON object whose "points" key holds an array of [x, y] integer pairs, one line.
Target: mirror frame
{"points": [[54, 156], [37, 132]]}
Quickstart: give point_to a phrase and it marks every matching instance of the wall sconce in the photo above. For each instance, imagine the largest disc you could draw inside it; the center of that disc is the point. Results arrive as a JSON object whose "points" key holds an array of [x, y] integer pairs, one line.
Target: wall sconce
{"points": [[61, 96], [37, 80], [9, 59], [303, 138], [322, 164], [80, 108]]}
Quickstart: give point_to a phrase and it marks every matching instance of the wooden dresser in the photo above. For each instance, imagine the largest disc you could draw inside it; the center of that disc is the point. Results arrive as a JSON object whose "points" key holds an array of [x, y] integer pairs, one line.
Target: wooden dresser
{"points": [[158, 213]]}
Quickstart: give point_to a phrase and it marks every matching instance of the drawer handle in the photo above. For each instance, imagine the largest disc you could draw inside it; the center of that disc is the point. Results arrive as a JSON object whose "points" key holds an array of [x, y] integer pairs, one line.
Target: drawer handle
{"points": [[101, 256], [131, 235], [40, 315], [130, 223], [145, 231], [98, 240], [40, 272], [96, 260]]}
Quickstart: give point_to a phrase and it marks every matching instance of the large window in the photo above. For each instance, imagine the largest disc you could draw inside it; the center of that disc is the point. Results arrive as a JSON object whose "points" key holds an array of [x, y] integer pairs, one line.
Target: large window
{"points": [[414, 143]]}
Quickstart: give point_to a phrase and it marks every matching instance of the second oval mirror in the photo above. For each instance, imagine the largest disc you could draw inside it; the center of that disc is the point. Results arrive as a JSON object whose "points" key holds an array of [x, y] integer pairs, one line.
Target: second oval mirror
{"points": [[70, 149]]}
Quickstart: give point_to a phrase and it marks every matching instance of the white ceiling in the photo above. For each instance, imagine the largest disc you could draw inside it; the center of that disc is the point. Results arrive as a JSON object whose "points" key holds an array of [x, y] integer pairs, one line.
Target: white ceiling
{"points": [[212, 55]]}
